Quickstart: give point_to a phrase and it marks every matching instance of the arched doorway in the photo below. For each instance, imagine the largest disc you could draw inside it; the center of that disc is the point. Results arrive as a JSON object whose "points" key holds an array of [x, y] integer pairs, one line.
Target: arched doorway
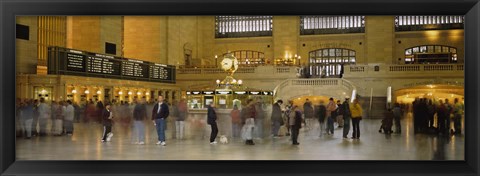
{"points": [[432, 91]]}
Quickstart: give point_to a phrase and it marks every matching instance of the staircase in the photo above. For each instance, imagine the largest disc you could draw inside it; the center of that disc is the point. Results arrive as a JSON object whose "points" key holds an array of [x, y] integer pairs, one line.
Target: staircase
{"points": [[378, 107]]}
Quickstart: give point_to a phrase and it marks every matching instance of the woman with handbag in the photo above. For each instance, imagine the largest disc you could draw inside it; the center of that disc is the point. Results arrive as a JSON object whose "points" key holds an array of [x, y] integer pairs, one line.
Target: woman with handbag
{"points": [[356, 111]]}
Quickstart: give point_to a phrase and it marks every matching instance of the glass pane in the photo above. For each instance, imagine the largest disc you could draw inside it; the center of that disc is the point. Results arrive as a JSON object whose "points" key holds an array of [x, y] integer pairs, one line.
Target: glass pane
{"points": [[338, 52], [332, 52], [345, 52], [430, 49], [249, 54], [445, 49], [312, 54], [352, 53], [415, 50], [325, 52], [423, 49], [453, 50]]}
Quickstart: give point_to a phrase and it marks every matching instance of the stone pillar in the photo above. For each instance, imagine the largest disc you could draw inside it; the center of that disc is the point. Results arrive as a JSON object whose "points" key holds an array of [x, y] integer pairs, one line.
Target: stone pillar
{"points": [[379, 39], [285, 37]]}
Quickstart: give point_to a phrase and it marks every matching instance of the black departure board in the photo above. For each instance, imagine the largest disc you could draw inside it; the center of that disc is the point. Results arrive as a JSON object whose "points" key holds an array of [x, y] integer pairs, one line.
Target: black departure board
{"points": [[83, 63], [76, 62]]}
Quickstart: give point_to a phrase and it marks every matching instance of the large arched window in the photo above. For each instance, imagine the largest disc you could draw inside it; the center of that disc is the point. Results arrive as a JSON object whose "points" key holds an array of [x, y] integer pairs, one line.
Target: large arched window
{"points": [[249, 58], [328, 62], [431, 54]]}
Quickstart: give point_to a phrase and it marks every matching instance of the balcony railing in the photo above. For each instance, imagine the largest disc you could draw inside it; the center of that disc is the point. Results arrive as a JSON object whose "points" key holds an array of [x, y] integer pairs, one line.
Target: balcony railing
{"points": [[393, 69], [241, 70]]}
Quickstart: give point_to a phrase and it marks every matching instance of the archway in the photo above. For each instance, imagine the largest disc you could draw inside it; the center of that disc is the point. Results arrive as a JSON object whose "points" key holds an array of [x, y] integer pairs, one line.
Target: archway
{"points": [[432, 91]]}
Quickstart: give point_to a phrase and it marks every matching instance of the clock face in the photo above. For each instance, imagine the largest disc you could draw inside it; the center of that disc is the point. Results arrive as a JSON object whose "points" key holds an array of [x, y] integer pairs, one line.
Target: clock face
{"points": [[226, 64]]}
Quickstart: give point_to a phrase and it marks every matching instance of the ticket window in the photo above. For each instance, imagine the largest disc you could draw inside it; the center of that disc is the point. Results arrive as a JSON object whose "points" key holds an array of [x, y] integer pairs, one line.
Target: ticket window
{"points": [[195, 102], [224, 101], [43, 92], [207, 100]]}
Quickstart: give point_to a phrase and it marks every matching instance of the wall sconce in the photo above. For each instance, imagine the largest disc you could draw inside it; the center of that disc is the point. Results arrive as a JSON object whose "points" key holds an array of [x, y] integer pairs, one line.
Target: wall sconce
{"points": [[120, 93], [99, 92], [139, 93], [129, 93], [240, 81], [87, 91], [147, 93], [74, 91]]}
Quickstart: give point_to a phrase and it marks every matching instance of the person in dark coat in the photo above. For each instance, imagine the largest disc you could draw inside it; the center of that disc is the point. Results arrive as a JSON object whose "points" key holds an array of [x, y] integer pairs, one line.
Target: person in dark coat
{"points": [[297, 124], [308, 113], [347, 116], [107, 121], [321, 114], [276, 119], [397, 114], [212, 121], [160, 113]]}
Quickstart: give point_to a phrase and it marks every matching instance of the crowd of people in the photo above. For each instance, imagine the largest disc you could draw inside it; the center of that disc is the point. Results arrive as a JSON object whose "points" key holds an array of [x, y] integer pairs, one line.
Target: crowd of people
{"points": [[424, 113], [57, 118], [292, 117], [247, 122]]}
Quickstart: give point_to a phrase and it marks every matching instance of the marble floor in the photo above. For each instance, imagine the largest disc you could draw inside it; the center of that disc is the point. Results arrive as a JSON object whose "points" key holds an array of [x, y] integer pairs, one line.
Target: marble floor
{"points": [[85, 145]]}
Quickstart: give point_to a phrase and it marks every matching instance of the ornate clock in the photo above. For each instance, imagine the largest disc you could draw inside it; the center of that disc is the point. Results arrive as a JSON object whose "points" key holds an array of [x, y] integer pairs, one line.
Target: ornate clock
{"points": [[229, 63]]}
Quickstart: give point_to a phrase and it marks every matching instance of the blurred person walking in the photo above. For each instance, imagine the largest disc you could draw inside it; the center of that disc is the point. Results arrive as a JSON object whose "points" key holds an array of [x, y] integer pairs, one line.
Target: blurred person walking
{"points": [[236, 122], [27, 118], [69, 114], [44, 114], [457, 116], [397, 115], [249, 116], [180, 120], [308, 113], [139, 117], [321, 114], [276, 118]]}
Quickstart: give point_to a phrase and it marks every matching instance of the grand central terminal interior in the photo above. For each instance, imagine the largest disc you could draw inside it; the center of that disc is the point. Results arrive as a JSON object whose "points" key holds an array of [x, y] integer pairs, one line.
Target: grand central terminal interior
{"points": [[405, 73]]}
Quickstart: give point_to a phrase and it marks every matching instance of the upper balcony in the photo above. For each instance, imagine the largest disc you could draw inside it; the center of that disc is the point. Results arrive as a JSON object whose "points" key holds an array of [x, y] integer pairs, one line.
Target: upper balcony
{"points": [[350, 71], [403, 71]]}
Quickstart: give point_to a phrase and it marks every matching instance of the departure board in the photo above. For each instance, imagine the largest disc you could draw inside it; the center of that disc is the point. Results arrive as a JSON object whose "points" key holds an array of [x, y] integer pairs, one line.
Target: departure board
{"points": [[76, 62], [83, 63], [159, 71]]}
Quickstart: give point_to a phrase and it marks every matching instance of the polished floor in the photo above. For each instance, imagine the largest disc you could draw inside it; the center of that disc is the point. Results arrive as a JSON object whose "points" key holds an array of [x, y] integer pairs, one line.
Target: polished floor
{"points": [[85, 145]]}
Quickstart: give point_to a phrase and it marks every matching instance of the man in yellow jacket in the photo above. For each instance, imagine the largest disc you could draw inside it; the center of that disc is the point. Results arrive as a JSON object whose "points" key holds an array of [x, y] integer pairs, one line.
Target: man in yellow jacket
{"points": [[356, 111]]}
